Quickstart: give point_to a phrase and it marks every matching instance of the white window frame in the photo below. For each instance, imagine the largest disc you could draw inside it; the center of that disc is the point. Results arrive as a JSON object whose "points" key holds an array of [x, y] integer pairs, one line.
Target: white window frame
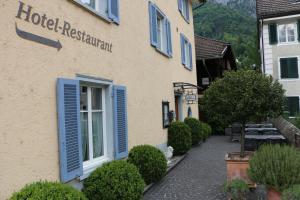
{"points": [[286, 34], [279, 69], [94, 162], [95, 11], [162, 36]]}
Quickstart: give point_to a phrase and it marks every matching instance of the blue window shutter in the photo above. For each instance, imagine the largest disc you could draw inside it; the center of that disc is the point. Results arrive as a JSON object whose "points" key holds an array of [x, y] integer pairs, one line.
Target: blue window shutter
{"points": [[113, 10], [153, 24], [169, 38], [120, 122], [180, 6], [187, 11], [70, 148], [182, 41], [191, 56]]}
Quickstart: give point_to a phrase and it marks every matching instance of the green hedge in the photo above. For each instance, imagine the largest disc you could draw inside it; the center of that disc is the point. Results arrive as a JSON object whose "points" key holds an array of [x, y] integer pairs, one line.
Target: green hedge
{"points": [[150, 162], [292, 193], [114, 181], [275, 166], [179, 137], [44, 190], [196, 129]]}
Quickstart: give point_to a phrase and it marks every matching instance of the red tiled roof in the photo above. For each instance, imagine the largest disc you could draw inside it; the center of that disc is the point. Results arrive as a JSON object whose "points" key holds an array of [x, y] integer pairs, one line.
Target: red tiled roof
{"points": [[277, 8], [207, 48]]}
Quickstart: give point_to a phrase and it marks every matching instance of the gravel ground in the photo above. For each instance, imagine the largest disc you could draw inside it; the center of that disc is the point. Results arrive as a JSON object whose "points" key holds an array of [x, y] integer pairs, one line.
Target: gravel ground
{"points": [[199, 176]]}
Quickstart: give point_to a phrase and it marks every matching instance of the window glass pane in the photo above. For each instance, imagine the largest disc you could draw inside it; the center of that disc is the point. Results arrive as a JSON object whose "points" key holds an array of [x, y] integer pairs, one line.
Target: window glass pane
{"points": [[97, 124], [289, 67], [102, 7], [184, 8], [90, 3], [96, 98], [159, 32], [187, 53], [291, 32], [83, 98], [166, 116], [84, 135], [293, 105], [282, 33]]}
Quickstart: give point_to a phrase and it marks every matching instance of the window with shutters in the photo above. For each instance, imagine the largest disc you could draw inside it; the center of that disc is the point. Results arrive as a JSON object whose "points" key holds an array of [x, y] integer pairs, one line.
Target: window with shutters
{"points": [[287, 33], [289, 68], [93, 129], [184, 9], [186, 52], [107, 9], [160, 30], [292, 105]]}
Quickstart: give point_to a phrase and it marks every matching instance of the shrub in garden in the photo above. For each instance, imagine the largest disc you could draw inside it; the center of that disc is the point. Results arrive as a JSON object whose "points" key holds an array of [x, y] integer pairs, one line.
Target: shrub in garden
{"points": [[115, 180], [179, 137], [236, 189], [196, 129], [275, 166], [206, 129], [150, 162], [292, 193], [48, 190]]}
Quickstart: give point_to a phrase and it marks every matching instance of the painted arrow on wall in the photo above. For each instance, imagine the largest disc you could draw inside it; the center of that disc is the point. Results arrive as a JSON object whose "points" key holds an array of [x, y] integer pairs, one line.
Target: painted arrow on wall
{"points": [[38, 39]]}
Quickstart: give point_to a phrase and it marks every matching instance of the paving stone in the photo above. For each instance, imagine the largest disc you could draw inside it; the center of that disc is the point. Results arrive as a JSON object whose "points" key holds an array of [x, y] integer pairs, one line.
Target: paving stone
{"points": [[200, 176]]}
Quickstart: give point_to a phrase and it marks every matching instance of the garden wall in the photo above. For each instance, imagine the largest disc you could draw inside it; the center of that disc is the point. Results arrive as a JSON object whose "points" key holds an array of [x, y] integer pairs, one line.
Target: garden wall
{"points": [[287, 129]]}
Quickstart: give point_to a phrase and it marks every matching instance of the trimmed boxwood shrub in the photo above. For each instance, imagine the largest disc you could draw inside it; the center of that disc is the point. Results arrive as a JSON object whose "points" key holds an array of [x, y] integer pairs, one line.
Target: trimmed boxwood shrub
{"points": [[114, 181], [196, 129], [292, 193], [179, 137], [150, 162], [206, 129], [48, 190], [275, 166]]}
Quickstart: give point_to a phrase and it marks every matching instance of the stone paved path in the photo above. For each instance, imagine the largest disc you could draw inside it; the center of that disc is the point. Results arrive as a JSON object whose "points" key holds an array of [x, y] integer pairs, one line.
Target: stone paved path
{"points": [[200, 176]]}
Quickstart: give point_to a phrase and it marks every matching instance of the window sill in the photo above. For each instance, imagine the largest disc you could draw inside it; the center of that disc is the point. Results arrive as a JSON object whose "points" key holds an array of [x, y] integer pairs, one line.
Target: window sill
{"points": [[92, 11], [163, 53], [188, 68], [287, 43], [289, 79], [185, 19], [90, 167]]}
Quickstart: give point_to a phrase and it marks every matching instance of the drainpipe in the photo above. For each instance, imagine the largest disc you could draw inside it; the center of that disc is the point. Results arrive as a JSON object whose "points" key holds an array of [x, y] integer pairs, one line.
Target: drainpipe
{"points": [[262, 45]]}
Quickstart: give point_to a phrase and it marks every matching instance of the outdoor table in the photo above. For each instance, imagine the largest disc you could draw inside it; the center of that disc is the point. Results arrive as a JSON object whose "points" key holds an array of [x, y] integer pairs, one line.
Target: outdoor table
{"points": [[266, 125], [253, 142], [260, 129]]}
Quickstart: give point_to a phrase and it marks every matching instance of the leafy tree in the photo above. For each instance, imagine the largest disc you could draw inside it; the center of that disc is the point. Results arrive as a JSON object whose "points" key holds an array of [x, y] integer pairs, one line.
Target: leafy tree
{"points": [[242, 96]]}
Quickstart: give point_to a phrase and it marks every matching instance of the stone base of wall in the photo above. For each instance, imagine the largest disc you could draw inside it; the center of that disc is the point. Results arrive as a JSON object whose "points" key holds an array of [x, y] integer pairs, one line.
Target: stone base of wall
{"points": [[288, 130]]}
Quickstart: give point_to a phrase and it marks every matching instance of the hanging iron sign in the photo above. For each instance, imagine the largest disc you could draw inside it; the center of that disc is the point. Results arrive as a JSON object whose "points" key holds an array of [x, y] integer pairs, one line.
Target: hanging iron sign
{"points": [[191, 97]]}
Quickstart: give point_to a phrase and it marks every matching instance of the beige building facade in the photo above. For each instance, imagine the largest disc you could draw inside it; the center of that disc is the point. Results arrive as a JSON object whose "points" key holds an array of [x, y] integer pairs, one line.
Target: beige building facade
{"points": [[84, 81]]}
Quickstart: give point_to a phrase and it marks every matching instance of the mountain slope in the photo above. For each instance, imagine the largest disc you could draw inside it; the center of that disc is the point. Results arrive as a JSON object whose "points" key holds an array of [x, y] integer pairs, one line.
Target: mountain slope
{"points": [[222, 22]]}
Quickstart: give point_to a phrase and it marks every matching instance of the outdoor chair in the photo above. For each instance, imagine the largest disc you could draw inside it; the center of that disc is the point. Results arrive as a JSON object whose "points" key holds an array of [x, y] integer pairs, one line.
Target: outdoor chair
{"points": [[236, 131]]}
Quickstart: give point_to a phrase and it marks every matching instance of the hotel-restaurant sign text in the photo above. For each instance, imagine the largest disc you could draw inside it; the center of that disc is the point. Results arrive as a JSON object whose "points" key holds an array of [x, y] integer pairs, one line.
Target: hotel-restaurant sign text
{"points": [[27, 13]]}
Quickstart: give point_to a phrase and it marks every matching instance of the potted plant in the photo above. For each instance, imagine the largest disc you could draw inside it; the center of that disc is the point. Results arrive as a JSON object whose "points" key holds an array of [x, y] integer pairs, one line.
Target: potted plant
{"points": [[291, 193], [236, 189], [277, 167], [242, 96]]}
